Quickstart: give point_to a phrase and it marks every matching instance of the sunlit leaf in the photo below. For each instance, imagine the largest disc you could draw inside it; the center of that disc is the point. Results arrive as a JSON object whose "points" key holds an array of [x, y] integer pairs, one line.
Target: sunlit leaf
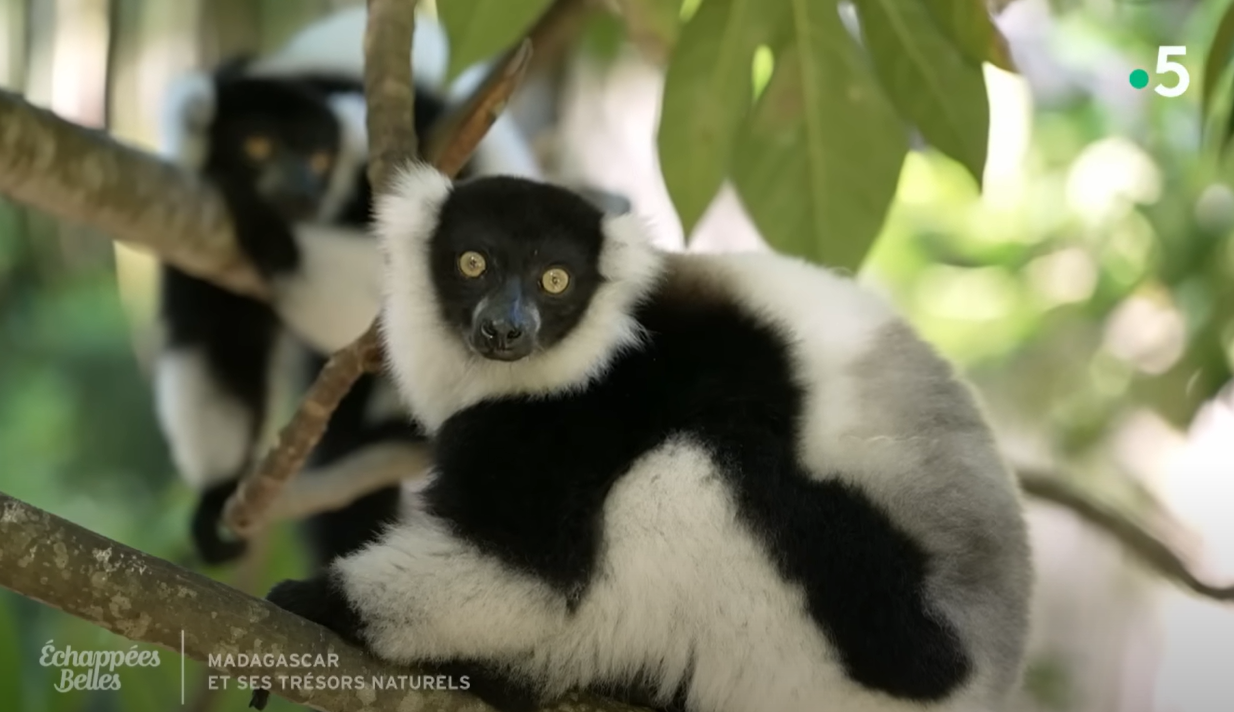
{"points": [[928, 80], [1215, 63], [479, 29], [706, 96], [818, 160], [967, 23]]}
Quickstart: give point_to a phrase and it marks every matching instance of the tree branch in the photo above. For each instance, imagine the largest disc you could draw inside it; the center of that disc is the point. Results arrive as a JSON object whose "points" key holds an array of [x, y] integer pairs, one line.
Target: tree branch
{"points": [[388, 90], [81, 175], [1138, 540], [149, 600]]}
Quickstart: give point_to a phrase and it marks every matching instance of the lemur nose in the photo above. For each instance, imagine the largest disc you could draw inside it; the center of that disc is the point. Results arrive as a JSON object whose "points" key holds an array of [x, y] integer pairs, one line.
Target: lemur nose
{"points": [[500, 331]]}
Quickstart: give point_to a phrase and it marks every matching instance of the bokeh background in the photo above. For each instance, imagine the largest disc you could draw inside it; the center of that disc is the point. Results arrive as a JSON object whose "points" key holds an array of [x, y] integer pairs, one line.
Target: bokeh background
{"points": [[1088, 292]]}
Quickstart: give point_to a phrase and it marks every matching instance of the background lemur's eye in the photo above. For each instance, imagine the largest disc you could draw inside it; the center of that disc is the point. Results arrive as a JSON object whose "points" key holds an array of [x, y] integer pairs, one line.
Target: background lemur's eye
{"points": [[320, 162], [471, 264], [257, 148], [555, 280]]}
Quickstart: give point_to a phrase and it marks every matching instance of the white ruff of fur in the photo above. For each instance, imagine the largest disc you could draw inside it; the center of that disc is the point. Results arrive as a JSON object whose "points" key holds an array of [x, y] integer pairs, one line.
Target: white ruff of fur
{"points": [[436, 371]]}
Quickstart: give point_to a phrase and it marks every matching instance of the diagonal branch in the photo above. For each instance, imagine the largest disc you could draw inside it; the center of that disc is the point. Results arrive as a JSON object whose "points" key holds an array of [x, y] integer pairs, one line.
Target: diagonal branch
{"points": [[257, 492], [81, 175], [149, 600]]}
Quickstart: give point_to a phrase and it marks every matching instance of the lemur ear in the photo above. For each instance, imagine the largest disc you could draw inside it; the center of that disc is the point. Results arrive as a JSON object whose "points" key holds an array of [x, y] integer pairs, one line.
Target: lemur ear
{"points": [[408, 210], [187, 112]]}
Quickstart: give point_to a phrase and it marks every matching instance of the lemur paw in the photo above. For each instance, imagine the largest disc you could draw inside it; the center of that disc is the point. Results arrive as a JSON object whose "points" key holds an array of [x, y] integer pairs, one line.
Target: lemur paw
{"points": [[321, 600], [208, 537]]}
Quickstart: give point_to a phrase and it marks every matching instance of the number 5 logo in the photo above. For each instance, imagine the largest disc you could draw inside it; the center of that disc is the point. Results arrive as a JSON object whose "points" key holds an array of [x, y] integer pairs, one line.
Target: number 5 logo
{"points": [[1165, 65]]}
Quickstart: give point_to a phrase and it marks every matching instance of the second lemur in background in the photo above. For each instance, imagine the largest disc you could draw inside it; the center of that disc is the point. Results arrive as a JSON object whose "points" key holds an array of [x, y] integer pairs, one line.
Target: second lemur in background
{"points": [[283, 139]]}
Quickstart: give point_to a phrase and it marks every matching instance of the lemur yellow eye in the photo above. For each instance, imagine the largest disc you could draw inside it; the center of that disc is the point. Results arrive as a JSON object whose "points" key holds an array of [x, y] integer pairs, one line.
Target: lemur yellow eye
{"points": [[555, 280], [258, 148], [471, 264], [320, 162]]}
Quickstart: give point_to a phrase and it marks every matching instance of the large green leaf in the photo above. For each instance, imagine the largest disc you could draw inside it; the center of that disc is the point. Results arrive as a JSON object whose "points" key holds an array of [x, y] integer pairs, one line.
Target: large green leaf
{"points": [[967, 23], [479, 29], [818, 161], [707, 93], [1215, 63], [928, 79]]}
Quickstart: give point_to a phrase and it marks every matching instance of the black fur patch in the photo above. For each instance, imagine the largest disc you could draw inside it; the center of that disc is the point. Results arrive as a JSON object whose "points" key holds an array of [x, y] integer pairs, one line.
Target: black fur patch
{"points": [[521, 229], [208, 539], [533, 493], [235, 335]]}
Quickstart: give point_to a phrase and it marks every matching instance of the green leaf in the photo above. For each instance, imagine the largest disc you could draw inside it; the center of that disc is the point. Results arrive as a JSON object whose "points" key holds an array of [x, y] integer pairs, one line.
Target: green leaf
{"points": [[1214, 64], [968, 25], [928, 80], [818, 161], [706, 96], [479, 29]]}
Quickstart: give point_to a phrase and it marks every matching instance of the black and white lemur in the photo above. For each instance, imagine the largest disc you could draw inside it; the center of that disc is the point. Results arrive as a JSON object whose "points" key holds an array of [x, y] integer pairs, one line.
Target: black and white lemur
{"points": [[283, 138], [711, 482]]}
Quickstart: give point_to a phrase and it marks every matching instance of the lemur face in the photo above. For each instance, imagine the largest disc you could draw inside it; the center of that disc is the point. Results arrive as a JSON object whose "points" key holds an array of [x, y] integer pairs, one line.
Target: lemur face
{"points": [[514, 264], [282, 137]]}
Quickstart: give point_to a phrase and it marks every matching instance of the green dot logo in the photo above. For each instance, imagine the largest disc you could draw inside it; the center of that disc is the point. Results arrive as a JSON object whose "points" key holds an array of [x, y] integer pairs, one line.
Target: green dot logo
{"points": [[1139, 79]]}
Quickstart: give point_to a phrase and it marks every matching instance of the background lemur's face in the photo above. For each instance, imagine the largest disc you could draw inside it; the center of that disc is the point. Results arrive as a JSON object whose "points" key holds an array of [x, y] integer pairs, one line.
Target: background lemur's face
{"points": [[282, 137], [515, 264]]}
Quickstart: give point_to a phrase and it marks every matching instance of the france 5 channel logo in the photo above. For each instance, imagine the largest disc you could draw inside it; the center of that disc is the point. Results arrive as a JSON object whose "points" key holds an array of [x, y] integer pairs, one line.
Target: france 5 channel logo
{"points": [[1165, 66]]}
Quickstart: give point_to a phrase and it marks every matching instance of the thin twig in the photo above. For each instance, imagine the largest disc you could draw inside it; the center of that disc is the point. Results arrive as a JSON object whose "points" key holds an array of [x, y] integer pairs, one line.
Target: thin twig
{"points": [[1143, 545], [450, 148], [246, 509]]}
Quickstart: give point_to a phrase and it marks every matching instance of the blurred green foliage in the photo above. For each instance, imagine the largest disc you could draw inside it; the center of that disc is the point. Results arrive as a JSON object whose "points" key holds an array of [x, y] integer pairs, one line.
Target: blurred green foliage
{"points": [[78, 438]]}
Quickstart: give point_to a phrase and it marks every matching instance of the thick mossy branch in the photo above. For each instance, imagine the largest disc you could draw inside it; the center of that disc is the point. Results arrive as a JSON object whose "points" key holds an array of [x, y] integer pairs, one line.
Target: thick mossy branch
{"points": [[81, 175], [149, 600]]}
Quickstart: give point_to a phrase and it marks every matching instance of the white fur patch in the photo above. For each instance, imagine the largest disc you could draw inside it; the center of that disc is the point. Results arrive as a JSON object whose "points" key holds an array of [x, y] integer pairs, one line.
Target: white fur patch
{"points": [[437, 373], [209, 431], [336, 292], [680, 581], [184, 119], [350, 110]]}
